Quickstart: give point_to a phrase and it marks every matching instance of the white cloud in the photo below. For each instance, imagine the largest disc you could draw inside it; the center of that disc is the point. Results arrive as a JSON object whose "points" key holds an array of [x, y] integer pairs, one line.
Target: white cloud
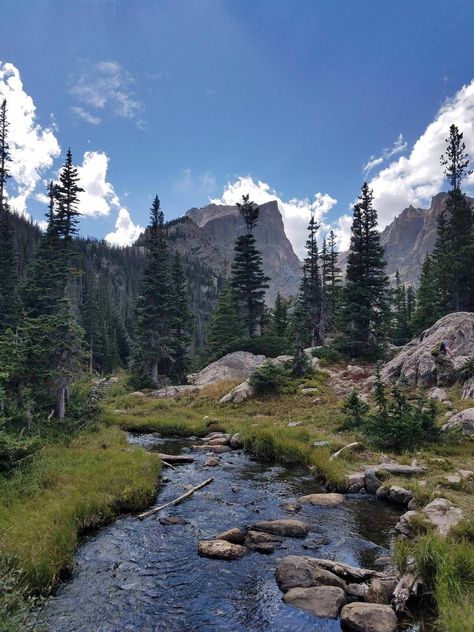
{"points": [[126, 232], [105, 86], [99, 195], [198, 185], [414, 179], [32, 147], [342, 230], [85, 115], [295, 212], [399, 146]]}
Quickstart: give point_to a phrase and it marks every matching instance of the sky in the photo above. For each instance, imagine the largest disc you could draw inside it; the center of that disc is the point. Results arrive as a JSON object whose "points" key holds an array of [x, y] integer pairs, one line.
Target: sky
{"points": [[199, 100]]}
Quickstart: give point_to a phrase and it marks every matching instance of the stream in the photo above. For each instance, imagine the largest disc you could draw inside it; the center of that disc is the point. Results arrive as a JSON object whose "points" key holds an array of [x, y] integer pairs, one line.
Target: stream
{"points": [[146, 576]]}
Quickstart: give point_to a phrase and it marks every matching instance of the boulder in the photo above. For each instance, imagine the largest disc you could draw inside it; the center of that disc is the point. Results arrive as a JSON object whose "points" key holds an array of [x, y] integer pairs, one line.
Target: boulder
{"points": [[468, 389], [174, 391], [236, 441], [233, 366], [301, 571], [437, 394], [309, 391], [419, 360], [211, 462], [368, 617], [324, 500], [239, 394], [399, 495], [380, 590], [355, 482], [355, 372], [344, 571], [321, 601], [221, 549], [399, 470], [218, 441], [462, 422], [216, 449], [261, 541], [372, 482], [235, 535], [173, 520], [284, 527], [443, 515]]}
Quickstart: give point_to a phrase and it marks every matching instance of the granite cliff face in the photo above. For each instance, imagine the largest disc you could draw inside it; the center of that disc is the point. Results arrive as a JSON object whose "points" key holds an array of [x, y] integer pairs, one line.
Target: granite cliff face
{"points": [[220, 225]]}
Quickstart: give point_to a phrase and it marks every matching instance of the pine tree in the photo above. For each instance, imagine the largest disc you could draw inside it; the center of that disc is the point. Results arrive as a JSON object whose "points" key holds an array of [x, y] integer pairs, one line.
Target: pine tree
{"points": [[153, 353], [67, 197], [9, 299], [181, 320], [225, 326], [365, 306], [280, 320], [428, 309], [331, 280], [401, 315], [248, 279]]}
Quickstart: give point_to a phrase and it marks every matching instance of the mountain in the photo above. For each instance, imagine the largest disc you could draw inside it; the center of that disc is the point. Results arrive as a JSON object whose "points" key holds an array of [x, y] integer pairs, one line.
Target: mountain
{"points": [[221, 224]]}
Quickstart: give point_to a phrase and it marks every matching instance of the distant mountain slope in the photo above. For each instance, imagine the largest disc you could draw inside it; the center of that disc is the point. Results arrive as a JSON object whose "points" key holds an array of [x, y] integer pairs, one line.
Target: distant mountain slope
{"points": [[221, 225]]}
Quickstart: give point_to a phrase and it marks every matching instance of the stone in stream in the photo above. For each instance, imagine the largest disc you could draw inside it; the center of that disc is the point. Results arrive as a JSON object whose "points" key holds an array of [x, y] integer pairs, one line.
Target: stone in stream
{"points": [[211, 462], [262, 542], [321, 601], [236, 536], [172, 520], [216, 449], [284, 527], [291, 507], [372, 482], [324, 500], [355, 482], [217, 441], [368, 617], [380, 590], [221, 549], [399, 495], [236, 441], [301, 571]]}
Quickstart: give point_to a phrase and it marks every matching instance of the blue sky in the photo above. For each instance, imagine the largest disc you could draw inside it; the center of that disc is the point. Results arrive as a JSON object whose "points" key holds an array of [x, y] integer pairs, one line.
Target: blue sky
{"points": [[183, 97]]}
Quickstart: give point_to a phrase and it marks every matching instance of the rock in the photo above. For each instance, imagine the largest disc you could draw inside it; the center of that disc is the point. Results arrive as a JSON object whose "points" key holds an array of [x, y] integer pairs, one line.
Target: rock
{"points": [[301, 571], [321, 601], [292, 507], [468, 389], [383, 458], [380, 590], [372, 483], [236, 441], [453, 478], [308, 391], [239, 394], [218, 441], [217, 449], [137, 394], [321, 444], [293, 424], [355, 482], [343, 571], [324, 500], [382, 493], [399, 470], [221, 549], [236, 536], [368, 617], [284, 527], [211, 462], [399, 495], [174, 391], [404, 526], [172, 520], [356, 372], [416, 361], [261, 541], [437, 394], [462, 422], [466, 474], [443, 515], [233, 366]]}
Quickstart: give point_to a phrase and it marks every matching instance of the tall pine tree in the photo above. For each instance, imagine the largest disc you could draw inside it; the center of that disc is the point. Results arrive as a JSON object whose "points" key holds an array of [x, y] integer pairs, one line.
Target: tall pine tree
{"points": [[181, 321], [225, 326], [248, 280], [365, 305], [428, 303], [331, 281]]}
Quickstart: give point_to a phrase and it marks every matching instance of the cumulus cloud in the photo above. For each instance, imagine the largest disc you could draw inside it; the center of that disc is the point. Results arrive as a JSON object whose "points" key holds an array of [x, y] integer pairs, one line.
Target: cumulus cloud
{"points": [[105, 87], [33, 148], [126, 232], [295, 212], [415, 178], [399, 146], [99, 195]]}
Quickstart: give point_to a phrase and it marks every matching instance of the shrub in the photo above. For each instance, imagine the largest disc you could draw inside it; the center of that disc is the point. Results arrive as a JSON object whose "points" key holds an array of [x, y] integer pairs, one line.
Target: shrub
{"points": [[269, 378], [355, 411], [16, 605], [330, 354], [13, 449], [267, 345], [300, 364]]}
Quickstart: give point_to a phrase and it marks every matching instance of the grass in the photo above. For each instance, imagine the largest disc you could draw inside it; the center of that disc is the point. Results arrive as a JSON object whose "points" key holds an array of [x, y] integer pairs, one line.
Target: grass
{"points": [[70, 487]]}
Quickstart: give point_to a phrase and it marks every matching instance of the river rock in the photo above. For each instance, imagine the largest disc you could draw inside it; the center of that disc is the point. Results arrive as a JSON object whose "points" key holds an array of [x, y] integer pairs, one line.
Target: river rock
{"points": [[239, 394], [235, 535], [261, 541], [440, 513], [236, 441], [218, 441], [420, 362], [211, 462], [285, 527], [321, 601], [233, 366], [173, 520], [324, 500], [372, 482], [217, 449], [355, 482], [302, 571], [357, 592], [291, 507], [468, 389], [399, 495], [462, 422], [368, 617], [380, 590], [221, 549]]}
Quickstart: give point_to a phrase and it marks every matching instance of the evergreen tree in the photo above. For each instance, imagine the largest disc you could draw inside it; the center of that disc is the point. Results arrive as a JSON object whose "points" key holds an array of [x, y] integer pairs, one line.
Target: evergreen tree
{"points": [[225, 326], [365, 306], [280, 320], [331, 280], [411, 305], [428, 309], [401, 315], [153, 353], [181, 320], [443, 266], [248, 280], [67, 193], [9, 299]]}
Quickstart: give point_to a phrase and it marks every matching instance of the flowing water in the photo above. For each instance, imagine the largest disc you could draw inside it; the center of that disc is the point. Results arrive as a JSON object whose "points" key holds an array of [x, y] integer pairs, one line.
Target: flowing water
{"points": [[147, 577]]}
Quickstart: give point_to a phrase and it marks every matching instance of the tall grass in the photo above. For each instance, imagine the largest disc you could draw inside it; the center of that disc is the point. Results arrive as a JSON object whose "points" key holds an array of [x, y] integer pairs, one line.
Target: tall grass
{"points": [[70, 487]]}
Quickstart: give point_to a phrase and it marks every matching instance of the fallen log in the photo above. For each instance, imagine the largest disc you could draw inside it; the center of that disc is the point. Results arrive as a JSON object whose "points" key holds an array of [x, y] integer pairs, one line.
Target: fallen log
{"points": [[176, 500], [350, 446], [166, 464], [176, 458]]}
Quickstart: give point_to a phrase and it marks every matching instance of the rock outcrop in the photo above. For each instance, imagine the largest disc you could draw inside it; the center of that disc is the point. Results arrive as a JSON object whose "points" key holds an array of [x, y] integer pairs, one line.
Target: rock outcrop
{"points": [[462, 423], [440, 515], [238, 365], [420, 361]]}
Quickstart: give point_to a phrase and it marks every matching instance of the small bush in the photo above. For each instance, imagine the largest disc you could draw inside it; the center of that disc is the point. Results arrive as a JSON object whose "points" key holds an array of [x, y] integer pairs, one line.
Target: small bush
{"points": [[13, 449], [267, 345], [269, 378], [329, 354], [300, 365], [354, 410]]}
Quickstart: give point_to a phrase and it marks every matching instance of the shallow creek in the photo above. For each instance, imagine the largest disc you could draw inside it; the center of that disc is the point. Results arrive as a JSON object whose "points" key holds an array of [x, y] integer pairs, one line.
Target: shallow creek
{"points": [[146, 576]]}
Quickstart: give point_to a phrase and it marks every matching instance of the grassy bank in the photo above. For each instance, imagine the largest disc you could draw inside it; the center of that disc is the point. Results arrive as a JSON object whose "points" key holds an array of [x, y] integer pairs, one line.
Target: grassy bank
{"points": [[70, 487]]}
